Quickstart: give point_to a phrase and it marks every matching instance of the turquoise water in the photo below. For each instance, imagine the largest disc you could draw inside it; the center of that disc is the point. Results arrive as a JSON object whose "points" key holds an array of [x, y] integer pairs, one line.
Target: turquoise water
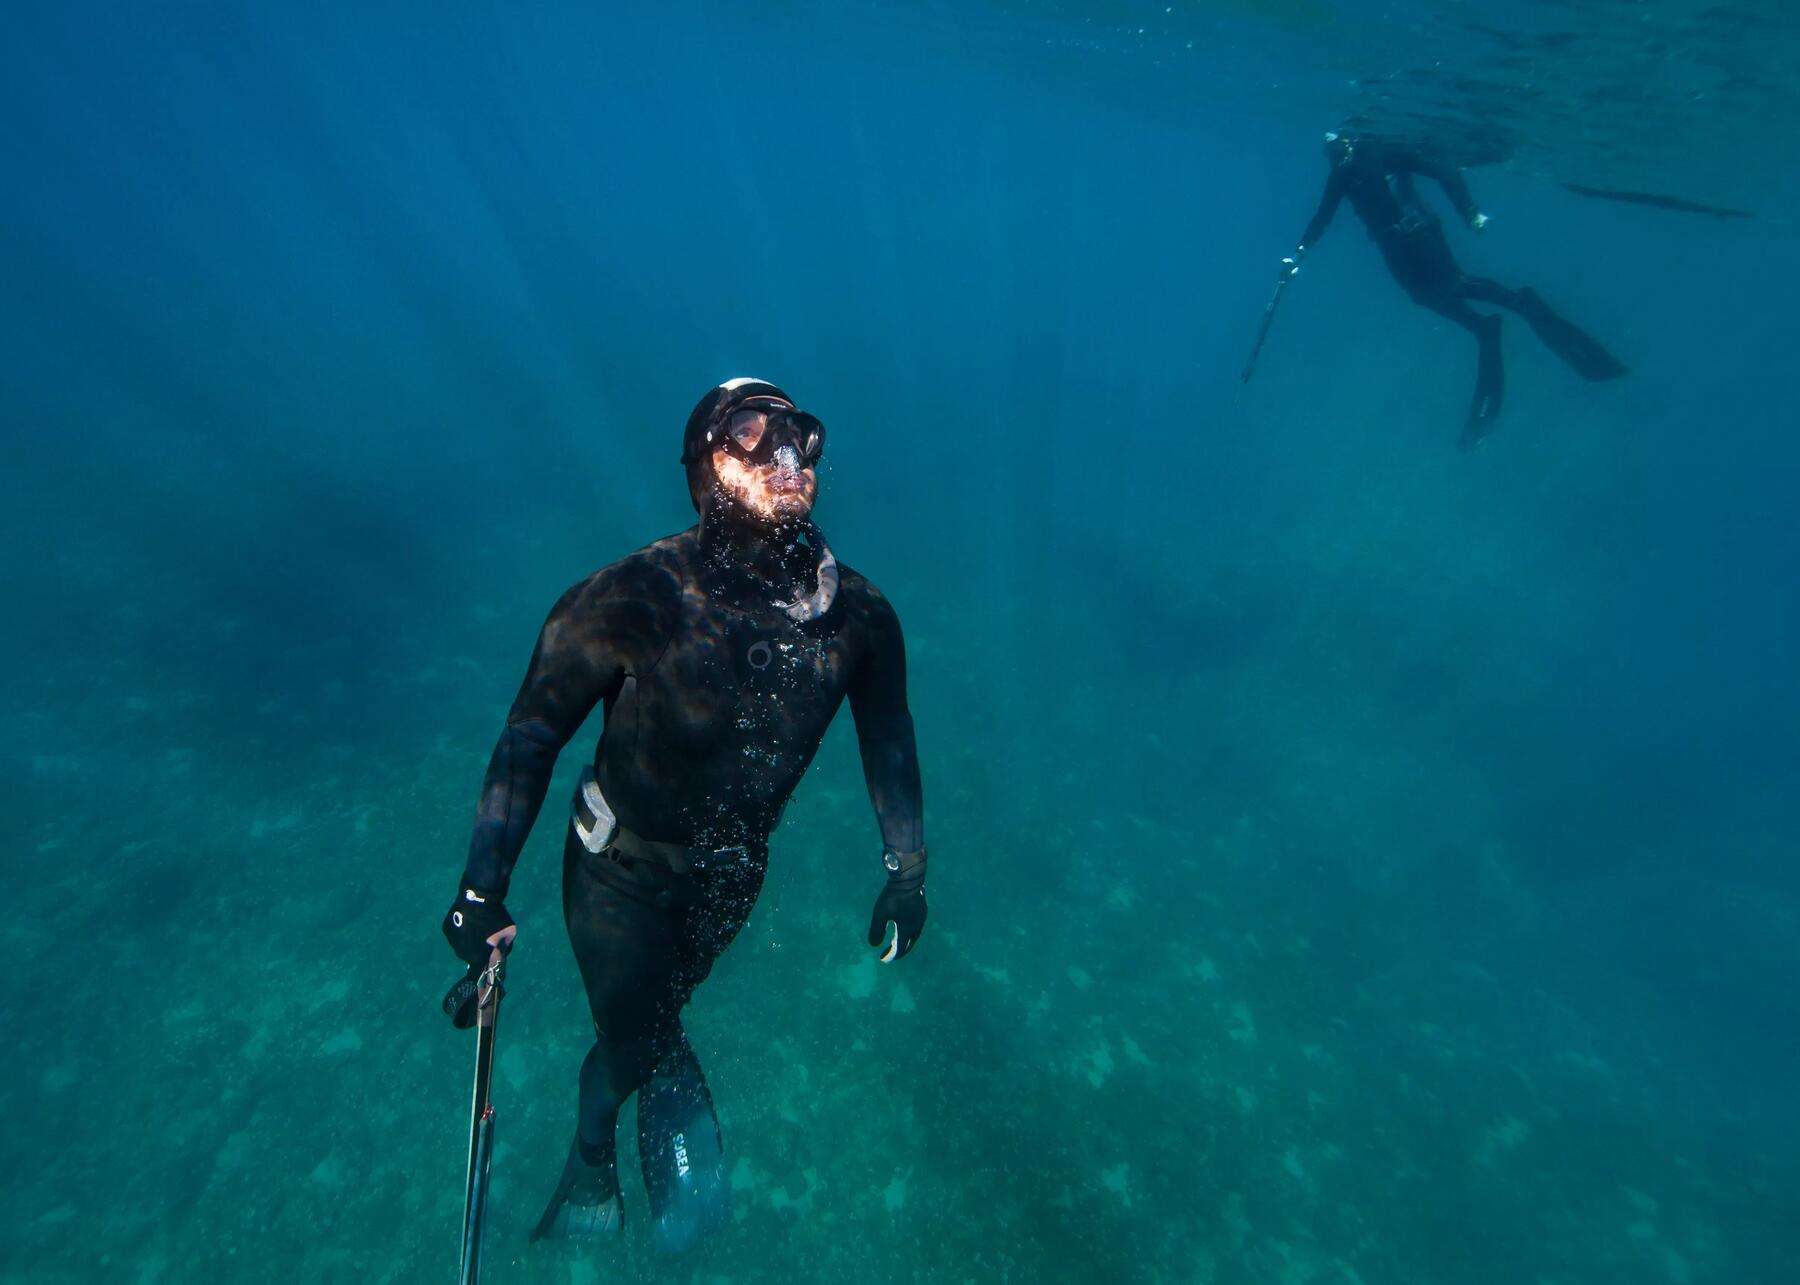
{"points": [[1354, 861]]}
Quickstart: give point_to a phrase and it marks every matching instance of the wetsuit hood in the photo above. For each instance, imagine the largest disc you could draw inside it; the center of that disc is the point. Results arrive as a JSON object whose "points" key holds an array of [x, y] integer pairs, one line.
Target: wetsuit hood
{"points": [[707, 414]]}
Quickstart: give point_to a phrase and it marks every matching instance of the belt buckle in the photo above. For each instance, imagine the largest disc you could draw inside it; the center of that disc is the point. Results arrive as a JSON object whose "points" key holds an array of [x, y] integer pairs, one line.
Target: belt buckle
{"points": [[716, 856], [595, 824]]}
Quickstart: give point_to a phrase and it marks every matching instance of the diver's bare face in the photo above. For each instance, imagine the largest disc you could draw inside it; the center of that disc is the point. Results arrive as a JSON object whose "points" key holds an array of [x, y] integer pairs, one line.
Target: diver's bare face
{"points": [[768, 492]]}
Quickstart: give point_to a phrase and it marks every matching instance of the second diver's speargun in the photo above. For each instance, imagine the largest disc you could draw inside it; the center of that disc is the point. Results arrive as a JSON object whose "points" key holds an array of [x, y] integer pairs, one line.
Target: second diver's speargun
{"points": [[1288, 268]]}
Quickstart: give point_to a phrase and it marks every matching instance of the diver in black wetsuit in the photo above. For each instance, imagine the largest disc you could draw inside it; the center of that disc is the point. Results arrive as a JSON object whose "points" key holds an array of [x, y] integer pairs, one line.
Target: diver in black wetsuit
{"points": [[719, 656], [1378, 176]]}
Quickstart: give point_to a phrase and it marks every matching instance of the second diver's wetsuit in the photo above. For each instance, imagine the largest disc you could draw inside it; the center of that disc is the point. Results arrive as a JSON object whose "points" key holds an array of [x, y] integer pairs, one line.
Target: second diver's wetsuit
{"points": [[1378, 178], [716, 697]]}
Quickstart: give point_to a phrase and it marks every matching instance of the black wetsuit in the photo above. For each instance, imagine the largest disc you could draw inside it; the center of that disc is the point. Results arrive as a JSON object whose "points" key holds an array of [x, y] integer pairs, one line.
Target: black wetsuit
{"points": [[1378, 178], [715, 702]]}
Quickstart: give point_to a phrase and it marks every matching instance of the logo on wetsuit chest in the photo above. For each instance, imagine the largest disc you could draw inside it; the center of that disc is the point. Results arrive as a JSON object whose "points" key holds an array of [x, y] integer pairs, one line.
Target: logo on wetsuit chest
{"points": [[681, 1159], [767, 658]]}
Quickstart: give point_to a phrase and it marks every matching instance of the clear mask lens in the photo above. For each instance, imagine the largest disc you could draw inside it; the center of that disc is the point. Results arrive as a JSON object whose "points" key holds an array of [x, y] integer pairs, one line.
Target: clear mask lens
{"points": [[747, 428]]}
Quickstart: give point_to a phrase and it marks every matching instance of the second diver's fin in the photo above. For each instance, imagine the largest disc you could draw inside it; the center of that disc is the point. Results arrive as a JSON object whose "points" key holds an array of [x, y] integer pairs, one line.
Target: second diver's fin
{"points": [[1490, 385], [1658, 200], [1574, 345], [585, 1204], [683, 1158]]}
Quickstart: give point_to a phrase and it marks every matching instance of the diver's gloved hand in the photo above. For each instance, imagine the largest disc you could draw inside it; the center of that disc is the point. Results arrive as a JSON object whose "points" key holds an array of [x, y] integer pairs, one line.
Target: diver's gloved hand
{"points": [[475, 924], [1478, 222], [901, 904]]}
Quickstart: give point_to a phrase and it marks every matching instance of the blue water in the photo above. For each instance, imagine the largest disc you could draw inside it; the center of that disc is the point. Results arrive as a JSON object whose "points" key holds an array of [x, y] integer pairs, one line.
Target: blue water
{"points": [[1353, 861]]}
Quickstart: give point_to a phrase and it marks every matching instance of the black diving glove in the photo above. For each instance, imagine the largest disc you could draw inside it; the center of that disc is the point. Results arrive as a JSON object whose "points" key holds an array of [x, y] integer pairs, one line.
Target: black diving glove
{"points": [[472, 918], [901, 903]]}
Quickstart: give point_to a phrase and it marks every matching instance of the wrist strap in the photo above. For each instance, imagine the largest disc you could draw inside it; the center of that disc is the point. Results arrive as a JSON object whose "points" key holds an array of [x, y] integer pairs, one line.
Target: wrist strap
{"points": [[904, 865]]}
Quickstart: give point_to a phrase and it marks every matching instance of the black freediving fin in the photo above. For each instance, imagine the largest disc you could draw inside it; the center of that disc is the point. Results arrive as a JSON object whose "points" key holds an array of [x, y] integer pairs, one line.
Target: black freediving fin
{"points": [[1490, 385], [683, 1158], [586, 1203], [1574, 345], [1658, 201]]}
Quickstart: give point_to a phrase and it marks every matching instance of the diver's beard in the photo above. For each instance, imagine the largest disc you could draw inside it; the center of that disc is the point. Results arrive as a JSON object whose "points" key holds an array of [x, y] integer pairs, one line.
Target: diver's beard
{"points": [[749, 499], [780, 515]]}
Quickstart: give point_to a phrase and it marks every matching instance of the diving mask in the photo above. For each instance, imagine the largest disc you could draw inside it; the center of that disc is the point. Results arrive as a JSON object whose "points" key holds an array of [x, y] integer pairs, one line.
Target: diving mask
{"points": [[756, 432]]}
